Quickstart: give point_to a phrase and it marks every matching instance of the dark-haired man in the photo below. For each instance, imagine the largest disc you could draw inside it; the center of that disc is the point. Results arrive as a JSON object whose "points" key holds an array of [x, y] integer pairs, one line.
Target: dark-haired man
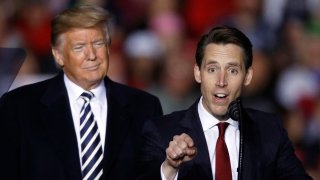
{"points": [[204, 142]]}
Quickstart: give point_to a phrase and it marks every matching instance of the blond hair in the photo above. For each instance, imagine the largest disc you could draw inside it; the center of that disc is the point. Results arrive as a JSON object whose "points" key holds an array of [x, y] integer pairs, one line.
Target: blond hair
{"points": [[83, 16]]}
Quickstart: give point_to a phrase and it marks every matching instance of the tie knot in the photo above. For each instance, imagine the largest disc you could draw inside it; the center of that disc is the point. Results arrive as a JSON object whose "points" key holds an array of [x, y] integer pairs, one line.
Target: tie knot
{"points": [[87, 95], [222, 128]]}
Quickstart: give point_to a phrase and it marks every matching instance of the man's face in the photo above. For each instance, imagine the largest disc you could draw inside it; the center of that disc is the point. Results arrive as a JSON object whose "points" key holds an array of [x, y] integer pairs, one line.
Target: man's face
{"points": [[222, 76], [84, 55]]}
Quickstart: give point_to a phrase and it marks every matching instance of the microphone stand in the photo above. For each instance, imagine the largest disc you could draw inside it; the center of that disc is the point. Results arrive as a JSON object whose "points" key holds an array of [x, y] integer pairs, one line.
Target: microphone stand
{"points": [[235, 112]]}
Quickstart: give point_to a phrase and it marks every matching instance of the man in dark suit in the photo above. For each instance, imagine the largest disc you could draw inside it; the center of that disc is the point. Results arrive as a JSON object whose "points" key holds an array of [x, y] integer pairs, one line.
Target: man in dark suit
{"points": [[206, 141], [41, 134]]}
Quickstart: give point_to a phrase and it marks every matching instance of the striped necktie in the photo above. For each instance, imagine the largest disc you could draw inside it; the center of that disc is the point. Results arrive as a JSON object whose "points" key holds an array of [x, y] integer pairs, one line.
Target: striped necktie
{"points": [[91, 147]]}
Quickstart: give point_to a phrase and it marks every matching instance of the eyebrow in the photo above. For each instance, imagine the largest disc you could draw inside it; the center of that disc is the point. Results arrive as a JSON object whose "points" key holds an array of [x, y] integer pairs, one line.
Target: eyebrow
{"points": [[78, 43], [216, 62], [97, 40], [234, 64], [211, 62], [82, 42], [229, 64]]}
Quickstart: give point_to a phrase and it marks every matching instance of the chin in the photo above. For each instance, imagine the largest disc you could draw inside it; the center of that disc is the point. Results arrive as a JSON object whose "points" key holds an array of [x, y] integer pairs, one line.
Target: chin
{"points": [[96, 76], [221, 117], [220, 109], [220, 112]]}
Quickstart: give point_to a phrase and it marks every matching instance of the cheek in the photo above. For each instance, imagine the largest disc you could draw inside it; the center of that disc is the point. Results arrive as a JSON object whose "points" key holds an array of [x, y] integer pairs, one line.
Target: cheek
{"points": [[237, 87], [74, 58], [74, 62], [102, 55], [206, 87]]}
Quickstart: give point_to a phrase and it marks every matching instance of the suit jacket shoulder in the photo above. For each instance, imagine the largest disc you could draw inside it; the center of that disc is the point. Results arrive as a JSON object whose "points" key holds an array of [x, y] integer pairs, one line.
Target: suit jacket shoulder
{"points": [[138, 102], [128, 94], [268, 152], [31, 90]]}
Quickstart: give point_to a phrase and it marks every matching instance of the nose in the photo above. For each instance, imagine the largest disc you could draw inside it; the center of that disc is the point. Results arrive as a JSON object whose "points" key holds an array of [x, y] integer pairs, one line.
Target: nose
{"points": [[222, 79], [91, 53]]}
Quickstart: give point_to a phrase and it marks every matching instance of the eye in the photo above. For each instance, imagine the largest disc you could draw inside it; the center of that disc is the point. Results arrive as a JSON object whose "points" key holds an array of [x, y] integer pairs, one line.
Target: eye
{"points": [[211, 69], [98, 44], [78, 48], [233, 71]]}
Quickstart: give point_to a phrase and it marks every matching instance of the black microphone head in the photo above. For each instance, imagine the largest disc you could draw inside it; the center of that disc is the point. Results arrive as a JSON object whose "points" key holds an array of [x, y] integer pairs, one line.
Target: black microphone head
{"points": [[234, 110]]}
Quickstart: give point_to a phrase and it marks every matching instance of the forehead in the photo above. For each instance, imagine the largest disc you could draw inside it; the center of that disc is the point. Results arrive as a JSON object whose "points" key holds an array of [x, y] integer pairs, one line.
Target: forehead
{"points": [[84, 34], [223, 53]]}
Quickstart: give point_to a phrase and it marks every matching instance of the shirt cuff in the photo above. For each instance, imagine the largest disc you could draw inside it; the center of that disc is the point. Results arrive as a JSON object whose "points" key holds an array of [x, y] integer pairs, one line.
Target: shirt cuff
{"points": [[163, 177]]}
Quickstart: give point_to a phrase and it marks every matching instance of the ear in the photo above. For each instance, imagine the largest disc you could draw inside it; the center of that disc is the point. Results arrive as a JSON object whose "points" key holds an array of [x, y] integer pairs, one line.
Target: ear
{"points": [[196, 72], [108, 51], [58, 57], [248, 77]]}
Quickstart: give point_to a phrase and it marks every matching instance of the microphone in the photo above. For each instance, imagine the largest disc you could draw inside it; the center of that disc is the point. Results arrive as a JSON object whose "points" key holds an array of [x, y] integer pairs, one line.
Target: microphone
{"points": [[234, 110], [235, 113]]}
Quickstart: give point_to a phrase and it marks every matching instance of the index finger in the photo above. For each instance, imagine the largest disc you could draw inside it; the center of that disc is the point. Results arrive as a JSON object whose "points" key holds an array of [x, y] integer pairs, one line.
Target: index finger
{"points": [[187, 139]]}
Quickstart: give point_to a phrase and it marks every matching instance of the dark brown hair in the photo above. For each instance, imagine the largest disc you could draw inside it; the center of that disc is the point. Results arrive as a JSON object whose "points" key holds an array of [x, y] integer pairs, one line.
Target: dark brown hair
{"points": [[225, 35]]}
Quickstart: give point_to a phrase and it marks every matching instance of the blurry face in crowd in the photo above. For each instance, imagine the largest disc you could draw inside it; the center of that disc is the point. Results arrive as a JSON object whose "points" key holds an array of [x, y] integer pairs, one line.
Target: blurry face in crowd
{"points": [[84, 55], [222, 76]]}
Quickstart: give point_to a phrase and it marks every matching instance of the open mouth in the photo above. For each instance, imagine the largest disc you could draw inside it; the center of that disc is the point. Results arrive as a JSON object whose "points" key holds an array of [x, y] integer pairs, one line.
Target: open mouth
{"points": [[220, 95], [220, 98]]}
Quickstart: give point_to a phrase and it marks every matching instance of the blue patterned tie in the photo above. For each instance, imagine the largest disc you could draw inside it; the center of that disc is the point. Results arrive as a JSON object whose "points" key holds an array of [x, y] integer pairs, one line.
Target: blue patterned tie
{"points": [[91, 148]]}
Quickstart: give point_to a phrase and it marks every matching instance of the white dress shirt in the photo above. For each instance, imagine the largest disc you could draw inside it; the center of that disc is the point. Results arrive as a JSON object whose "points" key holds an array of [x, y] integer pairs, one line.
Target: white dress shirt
{"points": [[98, 105], [211, 132]]}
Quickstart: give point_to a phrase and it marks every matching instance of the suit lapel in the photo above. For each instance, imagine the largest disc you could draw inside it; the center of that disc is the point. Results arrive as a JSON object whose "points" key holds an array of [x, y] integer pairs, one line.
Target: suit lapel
{"points": [[118, 123], [192, 124], [250, 160], [57, 118]]}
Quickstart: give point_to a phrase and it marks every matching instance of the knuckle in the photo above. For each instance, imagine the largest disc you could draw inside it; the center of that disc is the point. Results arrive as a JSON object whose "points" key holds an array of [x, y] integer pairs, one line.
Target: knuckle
{"points": [[175, 137]]}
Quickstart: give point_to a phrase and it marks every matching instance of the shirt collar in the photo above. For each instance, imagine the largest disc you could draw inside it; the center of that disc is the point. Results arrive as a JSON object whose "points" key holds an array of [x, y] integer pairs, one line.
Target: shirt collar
{"points": [[208, 121], [74, 91]]}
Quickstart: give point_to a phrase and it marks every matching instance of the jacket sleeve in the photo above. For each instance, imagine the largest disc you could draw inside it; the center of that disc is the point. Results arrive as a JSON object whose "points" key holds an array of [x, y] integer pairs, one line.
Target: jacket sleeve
{"points": [[9, 138], [288, 165], [151, 153]]}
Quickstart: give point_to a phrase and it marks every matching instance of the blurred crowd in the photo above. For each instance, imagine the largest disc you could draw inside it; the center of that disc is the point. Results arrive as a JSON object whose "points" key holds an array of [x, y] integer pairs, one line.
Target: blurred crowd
{"points": [[153, 45]]}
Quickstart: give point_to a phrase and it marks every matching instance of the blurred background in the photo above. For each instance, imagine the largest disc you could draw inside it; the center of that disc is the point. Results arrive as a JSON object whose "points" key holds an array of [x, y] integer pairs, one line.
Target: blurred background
{"points": [[153, 46]]}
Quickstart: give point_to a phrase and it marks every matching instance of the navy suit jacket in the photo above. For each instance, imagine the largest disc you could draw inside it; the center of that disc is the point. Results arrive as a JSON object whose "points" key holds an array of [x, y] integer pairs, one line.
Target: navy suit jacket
{"points": [[38, 136], [267, 151]]}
